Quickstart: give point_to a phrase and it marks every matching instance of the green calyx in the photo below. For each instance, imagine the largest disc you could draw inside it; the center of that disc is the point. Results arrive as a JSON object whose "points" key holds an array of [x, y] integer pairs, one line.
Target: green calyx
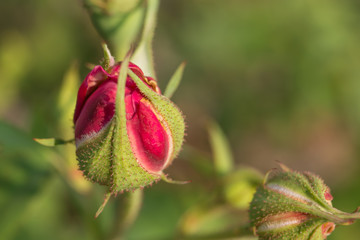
{"points": [[95, 156], [108, 159], [293, 205]]}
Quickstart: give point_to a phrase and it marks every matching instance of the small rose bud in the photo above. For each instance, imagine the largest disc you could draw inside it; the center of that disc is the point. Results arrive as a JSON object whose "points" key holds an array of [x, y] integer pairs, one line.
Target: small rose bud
{"points": [[130, 152], [293, 205]]}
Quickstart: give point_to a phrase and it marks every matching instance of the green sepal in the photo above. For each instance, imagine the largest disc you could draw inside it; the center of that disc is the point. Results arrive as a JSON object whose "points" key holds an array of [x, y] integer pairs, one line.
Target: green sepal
{"points": [[101, 208], [267, 203], [127, 172], [309, 187], [108, 60], [95, 156], [294, 205], [165, 178], [287, 192], [308, 230]]}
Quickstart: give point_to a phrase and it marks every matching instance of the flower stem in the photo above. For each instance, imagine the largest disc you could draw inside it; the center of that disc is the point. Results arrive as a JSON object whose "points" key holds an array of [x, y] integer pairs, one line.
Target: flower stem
{"points": [[143, 55], [129, 207]]}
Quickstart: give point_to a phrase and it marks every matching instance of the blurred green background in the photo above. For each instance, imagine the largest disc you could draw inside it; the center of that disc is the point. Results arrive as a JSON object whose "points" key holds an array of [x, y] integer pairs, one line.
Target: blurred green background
{"points": [[282, 79]]}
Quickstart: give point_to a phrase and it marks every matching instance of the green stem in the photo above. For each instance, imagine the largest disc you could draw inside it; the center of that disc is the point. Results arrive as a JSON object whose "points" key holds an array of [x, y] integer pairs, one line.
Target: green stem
{"points": [[129, 207], [348, 218], [337, 216], [75, 197], [143, 55]]}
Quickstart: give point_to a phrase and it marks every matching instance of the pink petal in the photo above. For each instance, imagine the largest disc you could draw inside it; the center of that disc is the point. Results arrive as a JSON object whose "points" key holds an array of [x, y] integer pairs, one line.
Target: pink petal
{"points": [[91, 82], [97, 111], [151, 142]]}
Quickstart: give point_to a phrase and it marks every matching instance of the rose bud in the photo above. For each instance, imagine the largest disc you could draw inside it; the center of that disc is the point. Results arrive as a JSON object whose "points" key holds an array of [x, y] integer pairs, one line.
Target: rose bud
{"points": [[126, 134], [293, 205]]}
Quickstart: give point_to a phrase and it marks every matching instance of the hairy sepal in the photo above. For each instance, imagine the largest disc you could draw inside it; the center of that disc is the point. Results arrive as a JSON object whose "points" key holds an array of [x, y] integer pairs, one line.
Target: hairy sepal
{"points": [[95, 155], [127, 173], [293, 205]]}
